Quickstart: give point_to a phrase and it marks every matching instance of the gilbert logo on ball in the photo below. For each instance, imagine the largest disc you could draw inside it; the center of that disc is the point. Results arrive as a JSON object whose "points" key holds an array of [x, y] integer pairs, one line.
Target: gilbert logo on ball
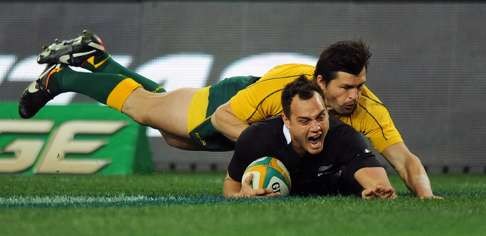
{"points": [[269, 173]]}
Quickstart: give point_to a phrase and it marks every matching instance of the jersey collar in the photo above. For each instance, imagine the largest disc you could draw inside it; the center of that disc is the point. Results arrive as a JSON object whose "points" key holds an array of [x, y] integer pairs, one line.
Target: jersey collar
{"points": [[286, 134]]}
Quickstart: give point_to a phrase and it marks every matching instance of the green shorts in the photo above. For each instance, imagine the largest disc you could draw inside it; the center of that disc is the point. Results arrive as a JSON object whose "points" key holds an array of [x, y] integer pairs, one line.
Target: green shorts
{"points": [[204, 134]]}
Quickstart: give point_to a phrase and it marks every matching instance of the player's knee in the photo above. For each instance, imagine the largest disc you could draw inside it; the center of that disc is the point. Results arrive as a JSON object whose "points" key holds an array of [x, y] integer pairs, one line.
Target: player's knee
{"points": [[171, 141], [143, 116], [179, 142], [139, 117]]}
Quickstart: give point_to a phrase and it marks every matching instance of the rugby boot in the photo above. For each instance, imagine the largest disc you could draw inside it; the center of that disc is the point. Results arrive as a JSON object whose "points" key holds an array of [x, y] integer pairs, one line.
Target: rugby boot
{"points": [[37, 94], [86, 51]]}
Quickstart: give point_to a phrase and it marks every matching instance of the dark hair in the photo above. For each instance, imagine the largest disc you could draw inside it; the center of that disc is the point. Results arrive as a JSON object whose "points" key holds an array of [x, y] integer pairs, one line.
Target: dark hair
{"points": [[346, 56], [301, 87]]}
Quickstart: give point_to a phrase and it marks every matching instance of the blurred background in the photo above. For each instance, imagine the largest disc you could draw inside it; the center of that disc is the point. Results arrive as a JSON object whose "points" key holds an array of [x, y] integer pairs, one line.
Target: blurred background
{"points": [[428, 64]]}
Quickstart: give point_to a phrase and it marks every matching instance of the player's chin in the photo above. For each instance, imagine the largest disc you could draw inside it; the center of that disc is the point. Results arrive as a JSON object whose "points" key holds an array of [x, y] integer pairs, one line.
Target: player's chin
{"points": [[315, 146], [346, 110]]}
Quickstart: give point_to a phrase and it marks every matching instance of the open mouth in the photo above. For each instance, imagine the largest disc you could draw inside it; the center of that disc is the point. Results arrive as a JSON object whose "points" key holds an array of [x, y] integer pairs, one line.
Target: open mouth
{"points": [[350, 105], [315, 140]]}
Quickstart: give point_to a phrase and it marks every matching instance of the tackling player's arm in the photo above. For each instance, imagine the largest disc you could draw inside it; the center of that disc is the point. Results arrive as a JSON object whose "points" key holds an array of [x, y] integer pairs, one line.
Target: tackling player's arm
{"points": [[410, 170], [408, 166], [256, 102], [225, 121]]}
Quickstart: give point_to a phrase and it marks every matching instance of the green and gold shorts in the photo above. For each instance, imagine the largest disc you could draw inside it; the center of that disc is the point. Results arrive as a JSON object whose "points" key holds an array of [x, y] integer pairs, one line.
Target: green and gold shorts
{"points": [[203, 104]]}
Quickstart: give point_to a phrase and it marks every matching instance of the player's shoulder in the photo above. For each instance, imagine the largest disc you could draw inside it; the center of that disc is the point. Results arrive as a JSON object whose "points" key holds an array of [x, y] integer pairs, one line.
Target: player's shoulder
{"points": [[293, 66], [342, 140], [263, 135], [339, 130], [269, 127], [371, 109]]}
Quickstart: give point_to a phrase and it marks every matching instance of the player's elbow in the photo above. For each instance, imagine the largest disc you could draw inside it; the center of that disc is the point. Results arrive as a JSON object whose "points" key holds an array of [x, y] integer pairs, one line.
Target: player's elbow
{"points": [[227, 123], [217, 119]]}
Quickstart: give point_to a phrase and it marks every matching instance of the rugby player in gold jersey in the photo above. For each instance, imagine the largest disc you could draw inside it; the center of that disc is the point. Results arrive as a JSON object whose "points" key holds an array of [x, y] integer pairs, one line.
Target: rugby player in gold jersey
{"points": [[212, 118]]}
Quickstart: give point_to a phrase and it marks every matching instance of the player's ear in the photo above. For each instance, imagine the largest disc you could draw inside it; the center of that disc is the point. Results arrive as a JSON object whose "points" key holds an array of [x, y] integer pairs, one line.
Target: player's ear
{"points": [[321, 82]]}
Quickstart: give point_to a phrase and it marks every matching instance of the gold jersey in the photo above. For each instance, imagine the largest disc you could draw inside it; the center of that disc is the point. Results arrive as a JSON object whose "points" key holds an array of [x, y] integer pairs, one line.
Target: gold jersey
{"points": [[262, 100]]}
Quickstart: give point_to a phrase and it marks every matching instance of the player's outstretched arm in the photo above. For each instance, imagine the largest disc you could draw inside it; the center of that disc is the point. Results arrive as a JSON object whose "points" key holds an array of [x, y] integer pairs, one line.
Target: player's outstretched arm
{"points": [[235, 189], [375, 183], [227, 123], [410, 170]]}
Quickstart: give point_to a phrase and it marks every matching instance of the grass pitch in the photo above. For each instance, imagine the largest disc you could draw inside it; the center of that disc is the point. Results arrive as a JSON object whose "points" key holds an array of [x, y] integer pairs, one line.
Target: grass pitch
{"points": [[191, 204]]}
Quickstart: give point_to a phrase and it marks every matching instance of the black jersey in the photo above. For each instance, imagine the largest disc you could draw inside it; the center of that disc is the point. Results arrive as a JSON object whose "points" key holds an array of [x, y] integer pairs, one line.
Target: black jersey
{"points": [[329, 172]]}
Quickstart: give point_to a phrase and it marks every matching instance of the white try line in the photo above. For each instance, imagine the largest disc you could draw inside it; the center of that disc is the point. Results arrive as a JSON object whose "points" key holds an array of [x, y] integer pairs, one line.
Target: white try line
{"points": [[95, 201]]}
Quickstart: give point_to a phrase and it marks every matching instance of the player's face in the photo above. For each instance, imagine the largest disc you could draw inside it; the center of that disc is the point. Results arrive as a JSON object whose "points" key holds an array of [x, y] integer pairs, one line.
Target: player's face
{"points": [[343, 92], [308, 124]]}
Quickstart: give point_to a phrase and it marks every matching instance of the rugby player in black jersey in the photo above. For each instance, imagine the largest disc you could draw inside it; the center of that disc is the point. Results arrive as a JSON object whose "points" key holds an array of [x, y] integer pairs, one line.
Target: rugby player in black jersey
{"points": [[213, 117], [323, 155]]}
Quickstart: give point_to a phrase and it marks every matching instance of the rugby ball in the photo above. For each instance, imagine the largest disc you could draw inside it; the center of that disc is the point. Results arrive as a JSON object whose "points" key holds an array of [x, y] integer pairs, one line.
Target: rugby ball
{"points": [[269, 173]]}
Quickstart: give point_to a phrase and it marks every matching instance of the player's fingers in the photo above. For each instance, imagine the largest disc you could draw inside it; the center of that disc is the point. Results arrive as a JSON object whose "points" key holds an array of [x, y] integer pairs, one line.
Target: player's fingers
{"points": [[246, 184], [272, 194], [259, 192], [248, 179], [389, 193], [249, 192], [383, 192], [377, 188], [380, 190], [367, 194], [268, 193], [268, 190]]}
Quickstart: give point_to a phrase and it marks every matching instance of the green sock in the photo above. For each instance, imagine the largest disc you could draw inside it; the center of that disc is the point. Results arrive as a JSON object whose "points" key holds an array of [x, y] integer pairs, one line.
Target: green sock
{"points": [[108, 65], [95, 85]]}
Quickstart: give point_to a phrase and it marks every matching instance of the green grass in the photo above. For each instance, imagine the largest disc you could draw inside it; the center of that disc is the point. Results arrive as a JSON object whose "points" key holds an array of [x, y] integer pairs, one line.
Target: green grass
{"points": [[191, 204]]}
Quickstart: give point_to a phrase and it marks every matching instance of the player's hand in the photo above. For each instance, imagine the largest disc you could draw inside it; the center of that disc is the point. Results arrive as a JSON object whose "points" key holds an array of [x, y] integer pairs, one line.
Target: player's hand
{"points": [[248, 191], [379, 192]]}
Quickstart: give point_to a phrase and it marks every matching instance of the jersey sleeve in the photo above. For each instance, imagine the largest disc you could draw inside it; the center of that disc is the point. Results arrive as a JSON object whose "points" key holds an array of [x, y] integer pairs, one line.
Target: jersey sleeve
{"points": [[256, 102], [350, 149], [373, 120], [353, 155], [348, 146], [262, 99], [246, 151]]}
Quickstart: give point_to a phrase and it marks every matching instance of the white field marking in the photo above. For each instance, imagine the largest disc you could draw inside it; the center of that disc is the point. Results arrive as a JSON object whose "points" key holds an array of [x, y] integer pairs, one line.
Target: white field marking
{"points": [[64, 200]]}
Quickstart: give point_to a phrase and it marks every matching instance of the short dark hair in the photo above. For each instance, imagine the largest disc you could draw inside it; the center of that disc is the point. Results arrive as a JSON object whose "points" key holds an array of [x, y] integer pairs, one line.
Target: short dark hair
{"points": [[302, 87], [346, 56]]}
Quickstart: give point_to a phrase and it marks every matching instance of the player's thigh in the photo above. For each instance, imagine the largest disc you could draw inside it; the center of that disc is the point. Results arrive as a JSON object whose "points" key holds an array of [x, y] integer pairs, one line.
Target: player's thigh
{"points": [[169, 112]]}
